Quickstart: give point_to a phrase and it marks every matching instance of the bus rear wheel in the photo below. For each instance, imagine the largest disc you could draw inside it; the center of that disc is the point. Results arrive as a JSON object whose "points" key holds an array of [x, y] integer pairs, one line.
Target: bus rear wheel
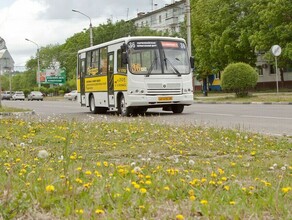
{"points": [[177, 108], [123, 110], [92, 107]]}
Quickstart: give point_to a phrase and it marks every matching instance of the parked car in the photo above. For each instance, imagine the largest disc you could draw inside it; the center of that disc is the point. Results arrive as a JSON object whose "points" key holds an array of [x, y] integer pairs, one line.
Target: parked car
{"points": [[6, 95], [35, 95], [18, 95], [71, 95]]}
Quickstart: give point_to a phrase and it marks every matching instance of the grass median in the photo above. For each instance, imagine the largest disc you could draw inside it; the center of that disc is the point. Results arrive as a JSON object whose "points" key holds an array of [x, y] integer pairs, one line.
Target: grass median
{"points": [[61, 169], [253, 97]]}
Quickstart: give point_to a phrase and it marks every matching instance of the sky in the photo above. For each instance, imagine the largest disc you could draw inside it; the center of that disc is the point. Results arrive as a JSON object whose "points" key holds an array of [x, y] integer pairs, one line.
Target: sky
{"points": [[52, 21]]}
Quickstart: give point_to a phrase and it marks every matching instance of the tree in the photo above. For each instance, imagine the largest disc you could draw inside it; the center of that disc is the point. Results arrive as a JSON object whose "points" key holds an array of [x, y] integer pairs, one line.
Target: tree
{"points": [[239, 78], [221, 34], [274, 26]]}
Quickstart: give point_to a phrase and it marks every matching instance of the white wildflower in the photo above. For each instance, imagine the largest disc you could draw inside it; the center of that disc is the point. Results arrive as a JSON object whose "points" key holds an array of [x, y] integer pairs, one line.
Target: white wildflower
{"points": [[191, 162], [137, 170], [22, 144], [133, 164], [43, 154], [283, 168]]}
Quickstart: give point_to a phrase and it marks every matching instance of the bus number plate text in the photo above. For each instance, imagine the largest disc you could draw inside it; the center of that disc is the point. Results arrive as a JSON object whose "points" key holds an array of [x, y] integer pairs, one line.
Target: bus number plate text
{"points": [[165, 98]]}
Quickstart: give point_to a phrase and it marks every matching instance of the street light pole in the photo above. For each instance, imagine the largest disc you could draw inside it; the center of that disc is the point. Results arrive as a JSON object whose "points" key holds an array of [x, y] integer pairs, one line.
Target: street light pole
{"points": [[188, 12], [38, 55], [90, 26]]}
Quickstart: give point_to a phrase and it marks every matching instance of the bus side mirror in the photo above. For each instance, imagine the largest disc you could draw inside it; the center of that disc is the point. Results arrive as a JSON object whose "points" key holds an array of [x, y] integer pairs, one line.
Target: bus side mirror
{"points": [[124, 58], [192, 62]]}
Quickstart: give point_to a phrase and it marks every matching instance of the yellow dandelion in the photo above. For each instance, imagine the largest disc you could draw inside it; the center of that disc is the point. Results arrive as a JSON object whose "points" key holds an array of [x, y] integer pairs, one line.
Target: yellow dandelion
{"points": [[204, 202], [141, 207], [213, 174], [253, 153], [148, 182], [232, 202], [99, 211], [136, 186], [88, 172], [286, 189], [50, 188], [191, 192], [105, 164], [78, 180], [192, 198], [79, 211], [179, 217], [226, 188], [166, 188], [143, 190]]}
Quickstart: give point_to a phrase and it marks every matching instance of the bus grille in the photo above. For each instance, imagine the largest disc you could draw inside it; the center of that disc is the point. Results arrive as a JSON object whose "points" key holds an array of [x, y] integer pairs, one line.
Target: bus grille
{"points": [[164, 88]]}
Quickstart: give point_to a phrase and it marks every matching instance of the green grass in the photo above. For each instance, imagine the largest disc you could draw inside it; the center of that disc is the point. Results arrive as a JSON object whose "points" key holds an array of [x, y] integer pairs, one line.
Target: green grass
{"points": [[59, 169], [253, 97], [11, 109]]}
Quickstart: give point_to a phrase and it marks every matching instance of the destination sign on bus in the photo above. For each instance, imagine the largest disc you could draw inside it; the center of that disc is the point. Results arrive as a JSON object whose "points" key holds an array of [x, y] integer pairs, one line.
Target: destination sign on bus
{"points": [[143, 44]]}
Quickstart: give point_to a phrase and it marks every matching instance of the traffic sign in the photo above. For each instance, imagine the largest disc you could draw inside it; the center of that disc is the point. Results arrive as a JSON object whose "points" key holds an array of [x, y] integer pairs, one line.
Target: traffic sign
{"points": [[276, 50]]}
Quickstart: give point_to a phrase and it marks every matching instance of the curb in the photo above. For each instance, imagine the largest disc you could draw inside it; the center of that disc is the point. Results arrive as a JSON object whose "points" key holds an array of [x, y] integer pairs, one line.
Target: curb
{"points": [[17, 113]]}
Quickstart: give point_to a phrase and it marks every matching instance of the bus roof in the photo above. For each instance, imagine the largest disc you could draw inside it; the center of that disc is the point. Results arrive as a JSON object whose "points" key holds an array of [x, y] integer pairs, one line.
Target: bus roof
{"points": [[127, 39]]}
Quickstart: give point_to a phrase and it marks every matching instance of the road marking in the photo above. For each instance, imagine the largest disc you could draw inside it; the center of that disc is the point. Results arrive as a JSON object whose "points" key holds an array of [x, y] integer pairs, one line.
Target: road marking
{"points": [[265, 117], [215, 114]]}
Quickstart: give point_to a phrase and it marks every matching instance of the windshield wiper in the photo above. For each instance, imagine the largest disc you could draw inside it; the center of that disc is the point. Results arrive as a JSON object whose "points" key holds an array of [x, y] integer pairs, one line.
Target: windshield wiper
{"points": [[151, 66], [172, 66]]}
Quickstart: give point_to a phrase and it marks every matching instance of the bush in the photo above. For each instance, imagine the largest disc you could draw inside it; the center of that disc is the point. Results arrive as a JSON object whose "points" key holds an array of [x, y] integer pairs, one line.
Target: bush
{"points": [[239, 78]]}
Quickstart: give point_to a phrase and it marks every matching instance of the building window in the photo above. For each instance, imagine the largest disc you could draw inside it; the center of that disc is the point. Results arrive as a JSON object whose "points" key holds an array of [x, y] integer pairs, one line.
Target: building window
{"points": [[272, 69], [159, 18], [260, 71]]}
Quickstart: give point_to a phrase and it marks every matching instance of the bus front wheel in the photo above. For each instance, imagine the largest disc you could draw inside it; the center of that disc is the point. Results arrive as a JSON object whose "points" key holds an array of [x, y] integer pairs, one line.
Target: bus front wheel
{"points": [[123, 110], [177, 108]]}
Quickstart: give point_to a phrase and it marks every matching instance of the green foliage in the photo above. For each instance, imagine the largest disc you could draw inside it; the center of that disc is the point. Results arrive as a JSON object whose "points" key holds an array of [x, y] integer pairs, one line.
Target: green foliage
{"points": [[239, 78], [220, 33]]}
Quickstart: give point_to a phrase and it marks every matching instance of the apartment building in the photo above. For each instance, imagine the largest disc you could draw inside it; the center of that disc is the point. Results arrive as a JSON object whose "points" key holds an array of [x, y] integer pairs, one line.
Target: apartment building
{"points": [[168, 18]]}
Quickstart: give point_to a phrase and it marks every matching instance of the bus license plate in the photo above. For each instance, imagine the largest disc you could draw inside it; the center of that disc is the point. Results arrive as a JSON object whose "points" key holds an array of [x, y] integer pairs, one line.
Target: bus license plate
{"points": [[165, 98]]}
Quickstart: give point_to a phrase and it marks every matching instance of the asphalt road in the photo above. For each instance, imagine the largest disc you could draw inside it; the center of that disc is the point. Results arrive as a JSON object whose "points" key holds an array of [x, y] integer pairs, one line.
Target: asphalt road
{"points": [[261, 118]]}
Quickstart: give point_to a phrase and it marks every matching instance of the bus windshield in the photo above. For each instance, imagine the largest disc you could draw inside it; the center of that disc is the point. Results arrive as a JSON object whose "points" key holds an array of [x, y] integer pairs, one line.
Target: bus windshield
{"points": [[158, 57]]}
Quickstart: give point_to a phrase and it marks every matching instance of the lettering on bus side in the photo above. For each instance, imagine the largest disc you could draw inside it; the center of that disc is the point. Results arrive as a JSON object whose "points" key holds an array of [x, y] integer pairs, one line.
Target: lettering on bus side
{"points": [[120, 82], [96, 84]]}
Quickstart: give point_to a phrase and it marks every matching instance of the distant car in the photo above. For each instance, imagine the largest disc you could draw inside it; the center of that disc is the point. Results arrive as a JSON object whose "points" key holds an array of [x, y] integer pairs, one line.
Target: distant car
{"points": [[18, 95], [71, 95], [35, 95], [6, 95]]}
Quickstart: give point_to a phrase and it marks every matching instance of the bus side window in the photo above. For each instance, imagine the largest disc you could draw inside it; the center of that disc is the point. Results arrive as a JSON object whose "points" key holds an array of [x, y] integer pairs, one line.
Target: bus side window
{"points": [[122, 68]]}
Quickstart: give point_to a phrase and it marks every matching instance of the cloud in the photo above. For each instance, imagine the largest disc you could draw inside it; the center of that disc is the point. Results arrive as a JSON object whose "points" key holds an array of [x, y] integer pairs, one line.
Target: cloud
{"points": [[52, 21]]}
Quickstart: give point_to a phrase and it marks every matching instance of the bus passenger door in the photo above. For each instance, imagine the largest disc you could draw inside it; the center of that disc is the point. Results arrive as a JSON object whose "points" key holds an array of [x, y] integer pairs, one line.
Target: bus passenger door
{"points": [[110, 79], [81, 77]]}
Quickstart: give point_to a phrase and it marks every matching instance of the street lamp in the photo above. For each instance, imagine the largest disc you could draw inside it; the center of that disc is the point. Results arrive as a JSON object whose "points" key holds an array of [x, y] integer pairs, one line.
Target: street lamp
{"points": [[38, 55], [188, 12], [90, 26]]}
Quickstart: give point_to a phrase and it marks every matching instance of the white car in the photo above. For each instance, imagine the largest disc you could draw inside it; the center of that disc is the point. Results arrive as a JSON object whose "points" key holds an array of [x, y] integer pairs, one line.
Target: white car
{"points": [[71, 95], [35, 95], [18, 95]]}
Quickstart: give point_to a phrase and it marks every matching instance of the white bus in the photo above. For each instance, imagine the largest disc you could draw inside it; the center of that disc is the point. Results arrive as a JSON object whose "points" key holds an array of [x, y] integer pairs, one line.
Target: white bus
{"points": [[131, 74]]}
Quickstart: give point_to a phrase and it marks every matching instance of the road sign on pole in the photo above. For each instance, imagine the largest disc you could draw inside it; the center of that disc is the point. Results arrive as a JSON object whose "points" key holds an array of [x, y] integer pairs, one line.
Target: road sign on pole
{"points": [[276, 51]]}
